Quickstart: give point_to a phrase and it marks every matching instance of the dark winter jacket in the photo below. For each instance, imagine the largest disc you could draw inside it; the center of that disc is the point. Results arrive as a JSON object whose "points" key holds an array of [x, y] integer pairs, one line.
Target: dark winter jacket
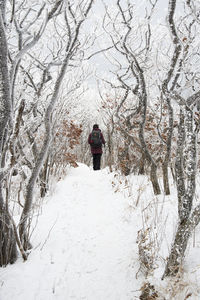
{"points": [[99, 149]]}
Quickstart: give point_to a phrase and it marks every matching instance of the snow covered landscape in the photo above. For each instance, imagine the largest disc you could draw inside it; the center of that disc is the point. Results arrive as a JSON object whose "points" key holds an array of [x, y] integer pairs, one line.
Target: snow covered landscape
{"points": [[99, 149], [85, 243]]}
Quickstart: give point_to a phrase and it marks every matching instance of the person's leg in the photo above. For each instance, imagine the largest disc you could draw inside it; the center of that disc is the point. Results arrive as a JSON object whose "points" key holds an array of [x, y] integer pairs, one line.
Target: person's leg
{"points": [[98, 162], [94, 162]]}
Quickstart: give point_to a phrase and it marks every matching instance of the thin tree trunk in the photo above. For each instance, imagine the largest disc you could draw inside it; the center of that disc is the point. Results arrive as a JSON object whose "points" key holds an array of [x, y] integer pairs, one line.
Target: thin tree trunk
{"points": [[8, 250], [44, 179], [187, 221], [166, 179], [178, 249], [180, 182], [142, 165], [110, 150], [179, 246], [154, 180], [168, 143]]}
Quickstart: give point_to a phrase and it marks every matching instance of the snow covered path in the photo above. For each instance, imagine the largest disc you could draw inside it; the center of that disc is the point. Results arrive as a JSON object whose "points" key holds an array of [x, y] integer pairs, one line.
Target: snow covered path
{"points": [[84, 246]]}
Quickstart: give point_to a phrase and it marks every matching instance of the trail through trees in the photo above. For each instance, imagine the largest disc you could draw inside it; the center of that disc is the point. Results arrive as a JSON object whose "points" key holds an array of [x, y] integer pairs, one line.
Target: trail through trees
{"points": [[85, 247]]}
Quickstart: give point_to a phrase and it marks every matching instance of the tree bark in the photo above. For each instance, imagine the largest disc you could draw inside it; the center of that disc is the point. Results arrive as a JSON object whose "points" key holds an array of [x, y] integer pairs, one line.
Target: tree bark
{"points": [[44, 179], [187, 220], [8, 247], [178, 249], [179, 173], [142, 165], [8, 250], [179, 246], [154, 180], [166, 178]]}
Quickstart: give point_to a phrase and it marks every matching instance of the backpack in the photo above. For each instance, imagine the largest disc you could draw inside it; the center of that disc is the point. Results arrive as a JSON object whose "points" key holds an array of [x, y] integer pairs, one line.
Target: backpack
{"points": [[96, 139]]}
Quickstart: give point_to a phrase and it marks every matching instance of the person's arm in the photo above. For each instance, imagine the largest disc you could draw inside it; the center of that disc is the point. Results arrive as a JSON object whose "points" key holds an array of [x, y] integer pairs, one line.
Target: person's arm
{"points": [[89, 139], [102, 138]]}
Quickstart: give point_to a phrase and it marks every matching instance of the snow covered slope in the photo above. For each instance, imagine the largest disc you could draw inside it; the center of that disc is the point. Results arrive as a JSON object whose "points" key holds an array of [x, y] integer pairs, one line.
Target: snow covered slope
{"points": [[84, 245]]}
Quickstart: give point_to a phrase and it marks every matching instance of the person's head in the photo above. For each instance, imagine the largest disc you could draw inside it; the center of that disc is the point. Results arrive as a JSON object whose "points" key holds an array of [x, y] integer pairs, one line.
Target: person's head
{"points": [[95, 126]]}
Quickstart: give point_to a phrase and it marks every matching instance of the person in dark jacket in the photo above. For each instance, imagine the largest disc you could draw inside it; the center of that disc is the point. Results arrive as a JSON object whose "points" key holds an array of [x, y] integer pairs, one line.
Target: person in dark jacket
{"points": [[96, 150]]}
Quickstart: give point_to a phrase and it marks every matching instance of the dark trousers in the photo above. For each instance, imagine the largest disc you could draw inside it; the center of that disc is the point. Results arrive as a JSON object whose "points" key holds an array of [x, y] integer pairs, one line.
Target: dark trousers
{"points": [[96, 161]]}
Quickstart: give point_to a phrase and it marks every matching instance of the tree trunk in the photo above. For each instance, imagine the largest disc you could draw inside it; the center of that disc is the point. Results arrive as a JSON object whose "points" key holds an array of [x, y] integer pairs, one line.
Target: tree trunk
{"points": [[178, 249], [179, 172], [110, 160], [179, 246], [187, 220], [142, 165], [166, 179], [154, 180], [8, 248], [44, 179]]}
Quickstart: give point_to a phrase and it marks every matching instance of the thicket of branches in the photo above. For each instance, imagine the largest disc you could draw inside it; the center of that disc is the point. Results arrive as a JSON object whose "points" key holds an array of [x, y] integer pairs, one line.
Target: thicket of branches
{"points": [[151, 104], [42, 48]]}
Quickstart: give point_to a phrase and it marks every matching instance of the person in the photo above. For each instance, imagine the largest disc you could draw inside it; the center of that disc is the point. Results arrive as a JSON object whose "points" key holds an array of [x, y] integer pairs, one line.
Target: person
{"points": [[96, 140]]}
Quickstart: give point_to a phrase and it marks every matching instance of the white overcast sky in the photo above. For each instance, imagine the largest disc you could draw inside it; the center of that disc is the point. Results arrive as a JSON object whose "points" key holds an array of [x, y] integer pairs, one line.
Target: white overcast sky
{"points": [[99, 61], [97, 15]]}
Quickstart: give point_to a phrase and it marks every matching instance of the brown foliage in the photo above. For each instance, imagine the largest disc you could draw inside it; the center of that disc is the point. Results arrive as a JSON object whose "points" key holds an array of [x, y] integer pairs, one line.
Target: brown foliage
{"points": [[65, 141], [148, 292]]}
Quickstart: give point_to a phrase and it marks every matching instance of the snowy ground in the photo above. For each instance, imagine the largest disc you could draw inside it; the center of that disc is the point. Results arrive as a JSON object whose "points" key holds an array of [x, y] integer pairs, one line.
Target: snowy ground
{"points": [[84, 245]]}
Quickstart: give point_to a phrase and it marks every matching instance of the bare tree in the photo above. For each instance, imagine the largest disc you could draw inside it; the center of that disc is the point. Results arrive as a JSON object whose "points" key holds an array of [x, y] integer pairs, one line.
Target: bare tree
{"points": [[189, 217], [74, 18], [186, 161], [8, 252], [27, 104], [130, 75], [169, 85]]}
